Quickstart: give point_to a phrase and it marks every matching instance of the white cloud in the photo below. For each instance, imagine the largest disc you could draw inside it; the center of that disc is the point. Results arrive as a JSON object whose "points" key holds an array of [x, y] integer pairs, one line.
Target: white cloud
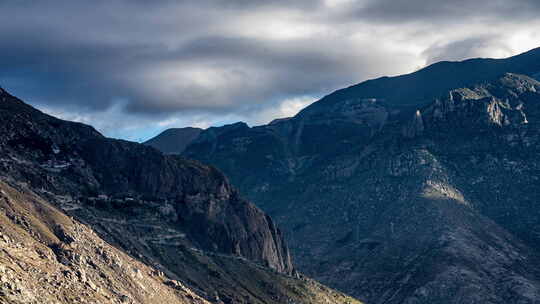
{"points": [[286, 108]]}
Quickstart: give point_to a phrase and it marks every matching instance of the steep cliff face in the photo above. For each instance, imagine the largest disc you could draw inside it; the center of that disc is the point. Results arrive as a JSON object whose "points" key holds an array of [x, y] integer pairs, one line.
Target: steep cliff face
{"points": [[180, 218], [80, 157], [415, 189]]}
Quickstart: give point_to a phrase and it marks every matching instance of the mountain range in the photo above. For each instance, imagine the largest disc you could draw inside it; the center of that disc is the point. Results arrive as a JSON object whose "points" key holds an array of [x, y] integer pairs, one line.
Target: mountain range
{"points": [[89, 219], [420, 188]]}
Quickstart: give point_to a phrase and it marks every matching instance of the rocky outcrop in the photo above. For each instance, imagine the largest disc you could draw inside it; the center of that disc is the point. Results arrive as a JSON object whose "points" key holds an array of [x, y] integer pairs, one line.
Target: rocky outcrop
{"points": [[432, 202], [499, 103]]}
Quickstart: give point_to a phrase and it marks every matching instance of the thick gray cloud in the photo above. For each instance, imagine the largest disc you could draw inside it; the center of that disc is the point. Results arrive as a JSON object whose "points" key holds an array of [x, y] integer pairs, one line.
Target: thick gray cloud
{"points": [[473, 47], [455, 11], [134, 67]]}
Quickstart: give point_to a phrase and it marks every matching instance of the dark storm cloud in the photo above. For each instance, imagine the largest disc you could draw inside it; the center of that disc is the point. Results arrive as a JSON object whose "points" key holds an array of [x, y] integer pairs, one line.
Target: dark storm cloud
{"points": [[152, 61], [455, 11], [262, 70], [80, 53], [63, 74]]}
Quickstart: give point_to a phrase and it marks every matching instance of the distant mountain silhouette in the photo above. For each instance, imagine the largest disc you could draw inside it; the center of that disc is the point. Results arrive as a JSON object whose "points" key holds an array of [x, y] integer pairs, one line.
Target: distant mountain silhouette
{"points": [[174, 141]]}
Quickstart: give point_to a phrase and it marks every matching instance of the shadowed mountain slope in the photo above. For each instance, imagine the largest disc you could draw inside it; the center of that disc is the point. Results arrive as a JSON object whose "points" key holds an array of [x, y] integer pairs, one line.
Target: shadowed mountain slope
{"points": [[420, 188]]}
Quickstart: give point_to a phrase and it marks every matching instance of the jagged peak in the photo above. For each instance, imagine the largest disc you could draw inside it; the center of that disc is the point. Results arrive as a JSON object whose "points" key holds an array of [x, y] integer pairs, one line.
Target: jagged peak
{"points": [[509, 81], [497, 102]]}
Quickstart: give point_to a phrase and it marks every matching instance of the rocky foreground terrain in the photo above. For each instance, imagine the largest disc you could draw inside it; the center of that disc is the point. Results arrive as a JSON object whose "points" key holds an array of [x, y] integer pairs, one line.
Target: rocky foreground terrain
{"points": [[48, 257], [87, 219], [421, 188]]}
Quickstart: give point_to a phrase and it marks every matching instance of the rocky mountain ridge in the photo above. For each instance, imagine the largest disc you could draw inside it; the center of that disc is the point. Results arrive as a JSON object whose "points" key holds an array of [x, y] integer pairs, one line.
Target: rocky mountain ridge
{"points": [[420, 197], [177, 217], [110, 167]]}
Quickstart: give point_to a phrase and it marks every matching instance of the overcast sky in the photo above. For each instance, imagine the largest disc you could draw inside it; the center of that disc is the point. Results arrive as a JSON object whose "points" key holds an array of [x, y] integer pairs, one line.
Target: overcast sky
{"points": [[133, 68]]}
